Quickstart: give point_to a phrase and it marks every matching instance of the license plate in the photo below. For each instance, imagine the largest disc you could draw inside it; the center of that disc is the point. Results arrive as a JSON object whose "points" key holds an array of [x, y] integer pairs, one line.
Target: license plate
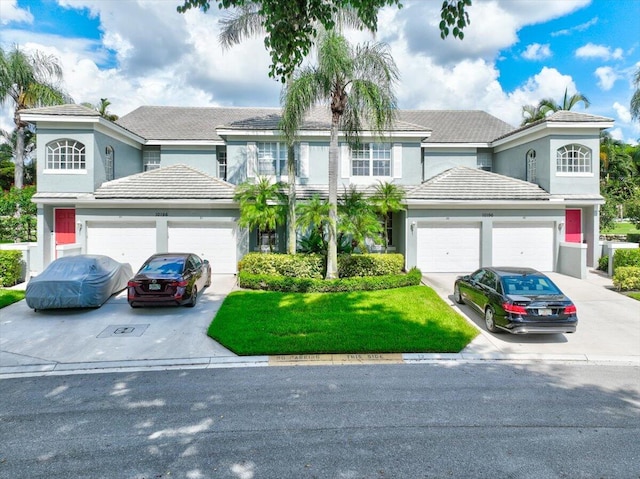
{"points": [[154, 287], [544, 312]]}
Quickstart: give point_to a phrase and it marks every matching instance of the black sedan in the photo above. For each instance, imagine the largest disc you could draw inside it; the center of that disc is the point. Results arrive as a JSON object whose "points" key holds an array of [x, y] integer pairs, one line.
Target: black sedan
{"points": [[517, 300], [169, 279], [82, 281]]}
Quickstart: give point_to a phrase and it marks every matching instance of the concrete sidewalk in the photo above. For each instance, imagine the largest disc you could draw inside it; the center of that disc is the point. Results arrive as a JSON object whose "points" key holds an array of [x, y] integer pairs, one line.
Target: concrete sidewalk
{"points": [[116, 337]]}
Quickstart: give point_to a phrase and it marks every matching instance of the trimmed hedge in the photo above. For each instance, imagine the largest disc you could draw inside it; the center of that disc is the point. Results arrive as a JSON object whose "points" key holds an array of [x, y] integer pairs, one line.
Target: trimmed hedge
{"points": [[312, 266], [603, 263], [10, 267], [311, 285], [626, 257], [627, 278], [633, 237]]}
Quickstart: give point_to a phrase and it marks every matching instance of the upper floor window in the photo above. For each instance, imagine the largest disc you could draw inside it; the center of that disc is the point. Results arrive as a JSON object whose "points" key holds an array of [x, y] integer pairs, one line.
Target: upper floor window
{"points": [[484, 161], [371, 159], [222, 163], [272, 158], [573, 159], [531, 166], [65, 155], [108, 162], [150, 159]]}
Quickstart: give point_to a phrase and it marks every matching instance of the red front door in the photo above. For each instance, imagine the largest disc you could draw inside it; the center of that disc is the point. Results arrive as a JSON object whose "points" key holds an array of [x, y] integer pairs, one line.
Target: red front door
{"points": [[573, 226], [65, 226]]}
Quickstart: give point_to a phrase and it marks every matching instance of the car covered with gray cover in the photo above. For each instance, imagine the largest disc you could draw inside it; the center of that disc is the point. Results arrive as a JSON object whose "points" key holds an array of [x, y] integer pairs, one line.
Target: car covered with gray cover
{"points": [[82, 281]]}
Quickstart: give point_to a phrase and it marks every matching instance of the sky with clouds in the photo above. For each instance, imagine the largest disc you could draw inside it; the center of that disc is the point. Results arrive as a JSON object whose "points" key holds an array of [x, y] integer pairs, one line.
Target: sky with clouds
{"points": [[515, 52]]}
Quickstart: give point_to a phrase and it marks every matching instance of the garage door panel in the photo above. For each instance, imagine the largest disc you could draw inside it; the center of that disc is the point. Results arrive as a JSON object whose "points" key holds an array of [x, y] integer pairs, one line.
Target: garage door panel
{"points": [[523, 244], [129, 243], [448, 248], [215, 242]]}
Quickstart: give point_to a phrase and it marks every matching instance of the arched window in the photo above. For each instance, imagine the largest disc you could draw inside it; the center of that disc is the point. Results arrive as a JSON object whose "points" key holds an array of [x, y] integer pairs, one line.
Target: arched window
{"points": [[531, 166], [65, 155], [574, 159], [108, 162]]}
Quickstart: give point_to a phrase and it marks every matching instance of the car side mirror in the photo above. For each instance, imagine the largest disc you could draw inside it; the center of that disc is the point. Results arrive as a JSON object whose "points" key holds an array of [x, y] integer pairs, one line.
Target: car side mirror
{"points": [[206, 261]]}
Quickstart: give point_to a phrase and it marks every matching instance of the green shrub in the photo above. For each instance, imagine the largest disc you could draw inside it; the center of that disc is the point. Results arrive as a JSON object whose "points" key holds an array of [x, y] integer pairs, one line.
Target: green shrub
{"points": [[603, 263], [312, 285], [357, 265], [10, 267], [298, 265], [633, 237], [313, 265], [626, 257], [627, 278]]}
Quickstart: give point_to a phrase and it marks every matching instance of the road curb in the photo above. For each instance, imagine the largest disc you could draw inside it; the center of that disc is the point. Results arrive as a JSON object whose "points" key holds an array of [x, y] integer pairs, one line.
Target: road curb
{"points": [[61, 369]]}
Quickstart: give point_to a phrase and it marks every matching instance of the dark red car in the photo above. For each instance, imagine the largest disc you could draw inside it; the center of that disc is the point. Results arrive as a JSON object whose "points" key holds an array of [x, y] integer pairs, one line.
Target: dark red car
{"points": [[169, 279]]}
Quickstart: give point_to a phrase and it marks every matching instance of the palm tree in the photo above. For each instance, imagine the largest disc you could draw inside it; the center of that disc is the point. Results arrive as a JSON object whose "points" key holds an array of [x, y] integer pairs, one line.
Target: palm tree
{"points": [[246, 21], [9, 152], [568, 102], [358, 220], [28, 80], [357, 83], [313, 216], [387, 199], [545, 106], [635, 99], [102, 109], [260, 206]]}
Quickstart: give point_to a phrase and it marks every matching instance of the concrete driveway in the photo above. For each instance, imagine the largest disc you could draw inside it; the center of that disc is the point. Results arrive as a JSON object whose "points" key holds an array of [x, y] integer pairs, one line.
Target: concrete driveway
{"points": [[609, 322], [113, 332]]}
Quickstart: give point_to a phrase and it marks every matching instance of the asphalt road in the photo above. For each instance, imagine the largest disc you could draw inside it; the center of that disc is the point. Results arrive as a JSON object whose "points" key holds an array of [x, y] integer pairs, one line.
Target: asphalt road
{"points": [[453, 419]]}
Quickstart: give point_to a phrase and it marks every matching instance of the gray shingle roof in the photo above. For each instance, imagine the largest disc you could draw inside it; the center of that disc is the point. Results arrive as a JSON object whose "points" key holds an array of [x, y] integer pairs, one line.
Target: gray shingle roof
{"points": [[62, 110], [170, 182], [464, 183]]}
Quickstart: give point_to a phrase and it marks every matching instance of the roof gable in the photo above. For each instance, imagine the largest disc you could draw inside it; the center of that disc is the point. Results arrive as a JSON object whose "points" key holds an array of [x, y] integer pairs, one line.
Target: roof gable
{"points": [[169, 182]]}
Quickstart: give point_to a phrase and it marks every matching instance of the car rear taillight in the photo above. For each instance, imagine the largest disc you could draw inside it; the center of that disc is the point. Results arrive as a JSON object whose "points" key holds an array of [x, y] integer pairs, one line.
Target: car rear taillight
{"points": [[571, 309], [179, 283], [133, 284], [514, 308]]}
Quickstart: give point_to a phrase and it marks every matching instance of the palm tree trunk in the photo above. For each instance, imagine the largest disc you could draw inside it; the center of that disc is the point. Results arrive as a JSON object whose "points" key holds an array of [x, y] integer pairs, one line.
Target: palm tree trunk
{"points": [[291, 225], [332, 247], [18, 178]]}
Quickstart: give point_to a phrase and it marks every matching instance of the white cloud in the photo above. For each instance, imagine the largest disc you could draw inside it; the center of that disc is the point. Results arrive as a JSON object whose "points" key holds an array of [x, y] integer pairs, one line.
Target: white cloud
{"points": [[606, 77], [623, 112], [12, 13], [536, 51], [602, 52], [616, 134], [578, 28]]}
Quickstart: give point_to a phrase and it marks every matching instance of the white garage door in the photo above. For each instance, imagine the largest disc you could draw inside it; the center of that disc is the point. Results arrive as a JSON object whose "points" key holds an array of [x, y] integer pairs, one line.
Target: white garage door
{"points": [[129, 243], [523, 244], [215, 242], [448, 248]]}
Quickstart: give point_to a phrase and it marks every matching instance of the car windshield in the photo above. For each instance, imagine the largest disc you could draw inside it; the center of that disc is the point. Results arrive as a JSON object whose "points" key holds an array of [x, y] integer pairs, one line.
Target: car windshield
{"points": [[529, 285], [166, 266]]}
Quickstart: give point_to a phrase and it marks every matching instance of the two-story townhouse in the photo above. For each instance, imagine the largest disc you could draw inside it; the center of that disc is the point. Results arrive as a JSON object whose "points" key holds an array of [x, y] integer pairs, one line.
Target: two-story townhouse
{"points": [[479, 191]]}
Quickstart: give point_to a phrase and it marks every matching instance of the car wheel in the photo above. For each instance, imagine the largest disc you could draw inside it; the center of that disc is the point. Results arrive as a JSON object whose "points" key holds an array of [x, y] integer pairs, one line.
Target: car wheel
{"points": [[456, 295], [194, 298], [489, 320]]}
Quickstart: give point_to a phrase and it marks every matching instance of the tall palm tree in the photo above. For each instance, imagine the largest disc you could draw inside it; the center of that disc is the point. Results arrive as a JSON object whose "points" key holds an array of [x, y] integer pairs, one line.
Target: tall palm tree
{"points": [[357, 84], [28, 80], [387, 199], [246, 21], [533, 113], [102, 108], [313, 215], [260, 206], [635, 99]]}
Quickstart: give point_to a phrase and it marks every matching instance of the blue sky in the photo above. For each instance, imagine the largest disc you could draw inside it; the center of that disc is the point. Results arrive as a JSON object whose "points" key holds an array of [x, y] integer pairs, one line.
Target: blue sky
{"points": [[515, 52]]}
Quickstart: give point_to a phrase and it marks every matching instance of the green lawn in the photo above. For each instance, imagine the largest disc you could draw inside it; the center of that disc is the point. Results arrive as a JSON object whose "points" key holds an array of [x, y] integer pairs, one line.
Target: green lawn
{"points": [[622, 229], [412, 319], [634, 294], [10, 296]]}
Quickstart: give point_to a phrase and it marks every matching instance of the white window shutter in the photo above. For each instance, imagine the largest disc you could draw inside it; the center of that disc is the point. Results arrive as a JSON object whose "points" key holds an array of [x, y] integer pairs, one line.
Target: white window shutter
{"points": [[396, 157], [303, 160], [345, 160], [252, 159]]}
